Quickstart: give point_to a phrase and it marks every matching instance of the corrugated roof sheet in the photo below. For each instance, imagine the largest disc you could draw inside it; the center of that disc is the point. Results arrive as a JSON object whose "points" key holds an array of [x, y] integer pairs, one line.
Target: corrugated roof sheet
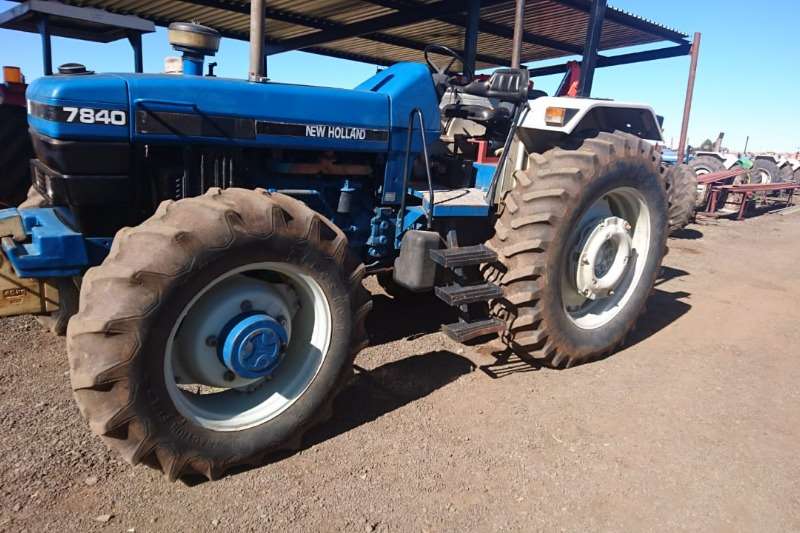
{"points": [[561, 21]]}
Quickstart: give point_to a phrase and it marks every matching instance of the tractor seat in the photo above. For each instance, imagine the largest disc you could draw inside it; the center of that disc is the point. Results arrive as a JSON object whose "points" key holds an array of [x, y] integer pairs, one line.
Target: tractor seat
{"points": [[476, 113]]}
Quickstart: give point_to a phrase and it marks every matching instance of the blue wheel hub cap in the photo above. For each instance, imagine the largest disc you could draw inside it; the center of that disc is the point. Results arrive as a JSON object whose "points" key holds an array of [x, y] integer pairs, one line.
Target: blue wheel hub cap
{"points": [[254, 345]]}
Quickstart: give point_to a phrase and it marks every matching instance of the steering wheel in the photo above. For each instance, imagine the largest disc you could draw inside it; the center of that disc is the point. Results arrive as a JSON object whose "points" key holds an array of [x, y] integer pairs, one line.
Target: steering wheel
{"points": [[445, 72]]}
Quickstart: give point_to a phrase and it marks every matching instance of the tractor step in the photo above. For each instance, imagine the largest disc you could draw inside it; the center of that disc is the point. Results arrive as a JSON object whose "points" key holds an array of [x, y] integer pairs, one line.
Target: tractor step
{"points": [[456, 295], [461, 257], [464, 331]]}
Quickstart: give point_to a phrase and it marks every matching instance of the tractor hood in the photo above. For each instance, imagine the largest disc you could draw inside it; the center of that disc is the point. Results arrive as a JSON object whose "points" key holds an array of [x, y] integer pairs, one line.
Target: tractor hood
{"points": [[161, 108], [67, 107]]}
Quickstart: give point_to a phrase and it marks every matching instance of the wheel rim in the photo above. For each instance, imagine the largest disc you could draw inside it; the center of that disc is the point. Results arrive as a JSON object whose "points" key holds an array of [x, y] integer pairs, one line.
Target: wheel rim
{"points": [[254, 305], [702, 171], [607, 254]]}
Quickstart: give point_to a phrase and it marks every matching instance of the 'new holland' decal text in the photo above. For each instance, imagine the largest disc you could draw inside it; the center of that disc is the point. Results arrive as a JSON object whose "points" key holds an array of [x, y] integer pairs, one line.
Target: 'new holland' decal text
{"points": [[321, 131], [336, 132]]}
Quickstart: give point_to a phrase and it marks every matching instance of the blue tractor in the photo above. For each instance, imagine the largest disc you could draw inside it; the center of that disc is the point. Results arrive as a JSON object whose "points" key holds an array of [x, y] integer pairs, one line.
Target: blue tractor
{"points": [[206, 238]]}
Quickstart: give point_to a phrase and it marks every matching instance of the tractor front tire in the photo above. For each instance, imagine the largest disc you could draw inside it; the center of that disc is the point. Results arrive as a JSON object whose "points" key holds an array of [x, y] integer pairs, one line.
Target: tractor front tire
{"points": [[681, 184], [561, 204], [161, 288]]}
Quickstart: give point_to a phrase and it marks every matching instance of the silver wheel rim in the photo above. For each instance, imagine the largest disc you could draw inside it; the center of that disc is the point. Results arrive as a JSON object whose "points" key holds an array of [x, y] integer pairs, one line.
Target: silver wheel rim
{"points": [[220, 403], [702, 171], [610, 246]]}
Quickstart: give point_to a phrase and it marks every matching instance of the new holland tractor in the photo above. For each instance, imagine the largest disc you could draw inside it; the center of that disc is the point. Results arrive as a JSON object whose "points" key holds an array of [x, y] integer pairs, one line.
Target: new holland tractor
{"points": [[218, 232]]}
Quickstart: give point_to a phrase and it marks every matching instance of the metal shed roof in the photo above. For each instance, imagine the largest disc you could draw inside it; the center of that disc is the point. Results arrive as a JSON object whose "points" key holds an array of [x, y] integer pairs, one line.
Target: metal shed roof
{"points": [[387, 31], [68, 21]]}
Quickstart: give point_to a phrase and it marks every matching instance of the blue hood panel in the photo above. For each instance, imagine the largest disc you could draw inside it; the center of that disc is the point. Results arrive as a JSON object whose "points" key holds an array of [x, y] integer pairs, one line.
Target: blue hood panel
{"points": [[164, 108], [94, 91]]}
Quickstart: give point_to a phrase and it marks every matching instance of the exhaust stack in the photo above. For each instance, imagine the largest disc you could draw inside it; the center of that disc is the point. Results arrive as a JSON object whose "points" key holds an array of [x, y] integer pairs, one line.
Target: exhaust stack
{"points": [[257, 63]]}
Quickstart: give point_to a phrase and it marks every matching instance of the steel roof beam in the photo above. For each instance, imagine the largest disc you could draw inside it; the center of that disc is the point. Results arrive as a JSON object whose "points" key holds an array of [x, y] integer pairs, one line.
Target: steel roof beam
{"points": [[377, 24], [682, 49], [488, 27]]}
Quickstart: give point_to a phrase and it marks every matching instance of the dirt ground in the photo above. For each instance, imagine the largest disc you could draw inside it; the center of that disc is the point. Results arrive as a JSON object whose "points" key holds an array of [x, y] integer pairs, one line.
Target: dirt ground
{"points": [[694, 425]]}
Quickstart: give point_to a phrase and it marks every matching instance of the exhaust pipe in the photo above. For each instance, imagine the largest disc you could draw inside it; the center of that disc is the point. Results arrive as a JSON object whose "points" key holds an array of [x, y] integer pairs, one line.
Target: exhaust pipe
{"points": [[257, 63]]}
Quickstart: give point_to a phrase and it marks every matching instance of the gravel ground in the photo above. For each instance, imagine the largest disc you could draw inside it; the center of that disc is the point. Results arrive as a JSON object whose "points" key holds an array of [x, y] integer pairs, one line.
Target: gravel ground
{"points": [[693, 426]]}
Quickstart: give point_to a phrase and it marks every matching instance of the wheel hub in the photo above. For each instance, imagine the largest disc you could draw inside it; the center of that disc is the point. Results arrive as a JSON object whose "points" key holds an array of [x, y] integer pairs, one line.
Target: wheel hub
{"points": [[254, 345], [603, 258]]}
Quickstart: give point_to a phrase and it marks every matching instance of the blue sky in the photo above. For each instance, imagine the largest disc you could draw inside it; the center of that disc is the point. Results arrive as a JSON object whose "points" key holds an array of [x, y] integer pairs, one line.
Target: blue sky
{"points": [[748, 79]]}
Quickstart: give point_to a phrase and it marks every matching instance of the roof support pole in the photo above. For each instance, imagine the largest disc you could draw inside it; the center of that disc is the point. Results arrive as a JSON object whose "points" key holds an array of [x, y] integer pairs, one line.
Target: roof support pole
{"points": [[135, 38], [43, 25], [597, 15], [471, 34], [257, 61], [519, 27], [687, 106]]}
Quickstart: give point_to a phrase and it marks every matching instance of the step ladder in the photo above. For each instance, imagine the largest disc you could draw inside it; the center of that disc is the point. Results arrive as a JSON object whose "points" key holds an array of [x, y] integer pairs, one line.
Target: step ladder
{"points": [[468, 291]]}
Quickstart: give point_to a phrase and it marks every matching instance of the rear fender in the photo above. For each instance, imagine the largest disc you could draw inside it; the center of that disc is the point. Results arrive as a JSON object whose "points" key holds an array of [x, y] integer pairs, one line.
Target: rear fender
{"points": [[728, 160], [585, 114]]}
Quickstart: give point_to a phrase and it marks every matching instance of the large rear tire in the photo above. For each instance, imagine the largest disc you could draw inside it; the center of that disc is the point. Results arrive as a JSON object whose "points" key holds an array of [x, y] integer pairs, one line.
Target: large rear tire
{"points": [[702, 165], [765, 171], [681, 184], [16, 151], [706, 164], [786, 174], [591, 203], [210, 268]]}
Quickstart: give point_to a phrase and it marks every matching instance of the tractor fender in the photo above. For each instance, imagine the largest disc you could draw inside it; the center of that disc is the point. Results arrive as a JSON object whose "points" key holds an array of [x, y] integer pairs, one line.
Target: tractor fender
{"points": [[584, 114], [768, 157]]}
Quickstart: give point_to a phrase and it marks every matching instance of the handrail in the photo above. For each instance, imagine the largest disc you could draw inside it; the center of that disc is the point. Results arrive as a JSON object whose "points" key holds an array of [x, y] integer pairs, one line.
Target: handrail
{"points": [[416, 113], [515, 119]]}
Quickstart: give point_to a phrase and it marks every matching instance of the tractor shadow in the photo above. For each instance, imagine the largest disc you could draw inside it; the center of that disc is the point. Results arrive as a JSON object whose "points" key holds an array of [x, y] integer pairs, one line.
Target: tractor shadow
{"points": [[374, 393], [687, 234], [393, 319], [370, 394]]}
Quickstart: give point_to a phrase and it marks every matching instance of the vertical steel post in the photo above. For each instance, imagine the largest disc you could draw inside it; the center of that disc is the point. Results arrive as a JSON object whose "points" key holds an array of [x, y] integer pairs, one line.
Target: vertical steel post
{"points": [[597, 16], [135, 38], [43, 25], [687, 106], [471, 34], [257, 60], [519, 27]]}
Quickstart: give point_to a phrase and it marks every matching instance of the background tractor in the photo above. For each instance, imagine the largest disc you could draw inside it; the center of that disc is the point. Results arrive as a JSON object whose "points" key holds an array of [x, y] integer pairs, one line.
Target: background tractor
{"points": [[219, 231], [15, 143]]}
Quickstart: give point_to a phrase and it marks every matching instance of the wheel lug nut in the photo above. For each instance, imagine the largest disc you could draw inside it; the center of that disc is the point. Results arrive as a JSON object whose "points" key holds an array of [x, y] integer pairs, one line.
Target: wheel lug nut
{"points": [[246, 305], [211, 341]]}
